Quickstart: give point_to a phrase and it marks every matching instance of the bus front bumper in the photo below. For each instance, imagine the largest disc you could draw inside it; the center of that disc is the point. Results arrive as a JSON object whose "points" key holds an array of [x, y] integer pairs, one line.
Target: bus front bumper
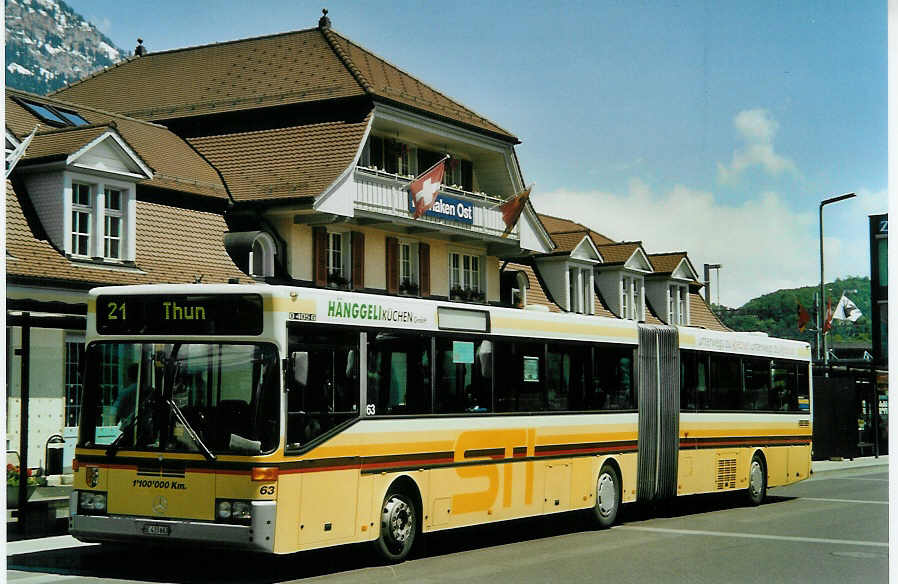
{"points": [[121, 528]]}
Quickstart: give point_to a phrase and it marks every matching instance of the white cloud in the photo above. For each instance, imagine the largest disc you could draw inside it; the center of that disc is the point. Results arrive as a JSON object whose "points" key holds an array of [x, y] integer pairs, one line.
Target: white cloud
{"points": [[757, 129], [762, 243]]}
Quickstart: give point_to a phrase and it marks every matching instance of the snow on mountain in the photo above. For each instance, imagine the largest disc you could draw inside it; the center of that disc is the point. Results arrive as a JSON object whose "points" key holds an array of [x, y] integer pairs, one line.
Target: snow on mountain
{"points": [[49, 45]]}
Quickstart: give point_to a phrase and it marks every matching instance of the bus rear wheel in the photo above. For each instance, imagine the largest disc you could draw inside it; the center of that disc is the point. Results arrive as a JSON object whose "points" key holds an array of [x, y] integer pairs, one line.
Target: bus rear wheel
{"points": [[608, 496], [757, 481], [398, 527]]}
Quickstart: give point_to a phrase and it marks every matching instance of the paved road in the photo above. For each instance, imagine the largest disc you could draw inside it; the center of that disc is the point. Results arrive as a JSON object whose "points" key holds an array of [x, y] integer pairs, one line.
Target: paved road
{"points": [[832, 528]]}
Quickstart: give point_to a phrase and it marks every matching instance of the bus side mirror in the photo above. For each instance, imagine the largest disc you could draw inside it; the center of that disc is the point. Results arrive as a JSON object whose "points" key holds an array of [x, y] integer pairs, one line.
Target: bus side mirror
{"points": [[299, 363]]}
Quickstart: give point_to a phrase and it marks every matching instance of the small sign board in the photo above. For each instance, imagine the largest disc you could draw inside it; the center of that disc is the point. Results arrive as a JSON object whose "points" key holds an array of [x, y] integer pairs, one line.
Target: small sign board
{"points": [[462, 352]]}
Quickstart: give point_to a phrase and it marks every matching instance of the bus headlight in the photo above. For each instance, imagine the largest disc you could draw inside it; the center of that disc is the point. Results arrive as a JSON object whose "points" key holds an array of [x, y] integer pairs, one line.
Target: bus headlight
{"points": [[92, 502], [233, 511]]}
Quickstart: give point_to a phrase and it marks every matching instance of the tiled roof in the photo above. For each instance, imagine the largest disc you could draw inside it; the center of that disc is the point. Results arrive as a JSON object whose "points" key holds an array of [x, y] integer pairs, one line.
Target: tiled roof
{"points": [[700, 314], [289, 162], [566, 242], [289, 68], [387, 81], [175, 164], [173, 246], [558, 226], [666, 263], [619, 253]]}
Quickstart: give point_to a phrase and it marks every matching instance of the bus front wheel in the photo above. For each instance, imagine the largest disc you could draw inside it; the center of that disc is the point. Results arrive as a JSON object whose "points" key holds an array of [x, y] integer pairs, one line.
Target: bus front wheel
{"points": [[757, 480], [608, 496], [398, 526]]}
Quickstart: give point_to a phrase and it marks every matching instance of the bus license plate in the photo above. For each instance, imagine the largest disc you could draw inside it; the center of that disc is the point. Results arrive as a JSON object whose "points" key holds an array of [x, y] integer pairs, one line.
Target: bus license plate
{"points": [[152, 529]]}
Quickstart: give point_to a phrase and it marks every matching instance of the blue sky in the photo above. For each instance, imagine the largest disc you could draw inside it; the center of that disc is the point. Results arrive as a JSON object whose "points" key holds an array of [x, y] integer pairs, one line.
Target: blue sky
{"points": [[710, 127]]}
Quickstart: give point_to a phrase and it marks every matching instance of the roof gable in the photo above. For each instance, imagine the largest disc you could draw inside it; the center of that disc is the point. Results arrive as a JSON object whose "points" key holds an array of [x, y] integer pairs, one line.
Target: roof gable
{"points": [[110, 153], [98, 148], [586, 250]]}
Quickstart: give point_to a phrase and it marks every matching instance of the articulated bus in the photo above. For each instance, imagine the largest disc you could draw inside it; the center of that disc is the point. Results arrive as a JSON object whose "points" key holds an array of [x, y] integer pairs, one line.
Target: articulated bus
{"points": [[281, 419]]}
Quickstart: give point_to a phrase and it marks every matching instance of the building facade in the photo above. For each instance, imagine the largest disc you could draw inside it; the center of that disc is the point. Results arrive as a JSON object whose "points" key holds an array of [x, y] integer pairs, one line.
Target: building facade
{"points": [[287, 159]]}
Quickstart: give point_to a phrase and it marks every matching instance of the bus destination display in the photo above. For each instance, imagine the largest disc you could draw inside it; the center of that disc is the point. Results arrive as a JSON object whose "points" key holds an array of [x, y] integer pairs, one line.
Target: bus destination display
{"points": [[179, 314]]}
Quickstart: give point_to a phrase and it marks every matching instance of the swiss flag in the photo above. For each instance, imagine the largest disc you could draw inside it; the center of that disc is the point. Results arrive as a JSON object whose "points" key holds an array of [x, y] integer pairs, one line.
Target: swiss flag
{"points": [[424, 189]]}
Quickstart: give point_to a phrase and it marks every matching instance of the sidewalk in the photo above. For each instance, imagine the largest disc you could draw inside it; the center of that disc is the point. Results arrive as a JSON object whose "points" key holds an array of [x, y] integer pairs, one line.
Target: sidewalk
{"points": [[848, 464]]}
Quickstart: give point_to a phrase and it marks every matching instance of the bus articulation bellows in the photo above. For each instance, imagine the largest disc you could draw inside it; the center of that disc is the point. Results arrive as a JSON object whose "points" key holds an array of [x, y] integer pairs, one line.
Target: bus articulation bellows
{"points": [[281, 419]]}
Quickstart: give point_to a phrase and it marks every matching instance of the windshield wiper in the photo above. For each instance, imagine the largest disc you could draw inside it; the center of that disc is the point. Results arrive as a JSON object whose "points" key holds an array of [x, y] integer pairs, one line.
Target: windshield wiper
{"points": [[190, 431], [113, 447]]}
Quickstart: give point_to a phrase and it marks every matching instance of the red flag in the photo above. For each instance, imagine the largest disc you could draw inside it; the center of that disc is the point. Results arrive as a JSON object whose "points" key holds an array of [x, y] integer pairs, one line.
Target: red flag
{"points": [[512, 209], [828, 321], [803, 318], [424, 189]]}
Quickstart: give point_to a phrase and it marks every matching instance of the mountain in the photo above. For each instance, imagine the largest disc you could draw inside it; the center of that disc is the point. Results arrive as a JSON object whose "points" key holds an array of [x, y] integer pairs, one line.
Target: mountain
{"points": [[777, 313], [49, 45]]}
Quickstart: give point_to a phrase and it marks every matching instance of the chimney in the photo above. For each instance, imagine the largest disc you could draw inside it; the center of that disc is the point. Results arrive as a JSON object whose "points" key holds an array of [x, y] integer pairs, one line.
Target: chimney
{"points": [[324, 22], [141, 50]]}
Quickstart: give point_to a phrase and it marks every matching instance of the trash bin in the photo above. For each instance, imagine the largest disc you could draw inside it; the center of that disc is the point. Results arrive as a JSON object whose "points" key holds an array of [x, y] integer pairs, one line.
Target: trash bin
{"points": [[53, 455]]}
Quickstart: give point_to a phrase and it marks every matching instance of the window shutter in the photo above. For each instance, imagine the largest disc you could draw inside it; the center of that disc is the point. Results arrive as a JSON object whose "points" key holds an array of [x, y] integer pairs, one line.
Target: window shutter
{"points": [[424, 269], [319, 244], [358, 260], [392, 265]]}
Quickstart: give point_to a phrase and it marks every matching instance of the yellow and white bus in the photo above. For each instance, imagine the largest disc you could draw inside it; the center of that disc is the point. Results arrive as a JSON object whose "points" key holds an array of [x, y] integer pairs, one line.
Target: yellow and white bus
{"points": [[281, 419]]}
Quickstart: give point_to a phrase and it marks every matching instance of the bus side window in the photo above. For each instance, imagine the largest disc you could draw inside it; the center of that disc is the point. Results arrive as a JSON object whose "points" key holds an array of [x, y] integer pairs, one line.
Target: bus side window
{"points": [[463, 376], [566, 371], [330, 394], [399, 372], [726, 383], [784, 394], [612, 379], [524, 388], [758, 389]]}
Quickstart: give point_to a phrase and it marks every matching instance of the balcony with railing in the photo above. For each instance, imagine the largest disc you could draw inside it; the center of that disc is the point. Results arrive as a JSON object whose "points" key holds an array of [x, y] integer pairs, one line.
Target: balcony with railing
{"points": [[385, 193]]}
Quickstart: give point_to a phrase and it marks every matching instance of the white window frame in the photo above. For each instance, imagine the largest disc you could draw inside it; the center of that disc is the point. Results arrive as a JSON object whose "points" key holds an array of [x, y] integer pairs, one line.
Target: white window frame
{"points": [[409, 270], [81, 209], [678, 304], [632, 297], [344, 270], [468, 278], [580, 290], [112, 215], [97, 215]]}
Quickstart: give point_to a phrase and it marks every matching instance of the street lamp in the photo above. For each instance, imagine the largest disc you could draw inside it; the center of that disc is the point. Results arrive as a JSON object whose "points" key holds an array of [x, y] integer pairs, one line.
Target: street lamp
{"points": [[821, 338]]}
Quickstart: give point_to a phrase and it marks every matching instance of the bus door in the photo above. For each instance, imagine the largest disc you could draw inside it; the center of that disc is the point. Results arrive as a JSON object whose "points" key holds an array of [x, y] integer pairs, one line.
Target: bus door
{"points": [[659, 412]]}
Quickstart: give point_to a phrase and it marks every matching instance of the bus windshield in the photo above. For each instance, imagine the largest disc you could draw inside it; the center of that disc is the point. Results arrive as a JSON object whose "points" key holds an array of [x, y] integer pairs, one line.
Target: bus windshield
{"points": [[181, 397]]}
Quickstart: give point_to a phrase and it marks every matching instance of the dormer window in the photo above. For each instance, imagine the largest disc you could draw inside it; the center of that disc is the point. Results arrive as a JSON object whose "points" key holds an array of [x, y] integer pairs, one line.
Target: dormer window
{"points": [[632, 306], [98, 213], [112, 232], [81, 220], [580, 290], [678, 304]]}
